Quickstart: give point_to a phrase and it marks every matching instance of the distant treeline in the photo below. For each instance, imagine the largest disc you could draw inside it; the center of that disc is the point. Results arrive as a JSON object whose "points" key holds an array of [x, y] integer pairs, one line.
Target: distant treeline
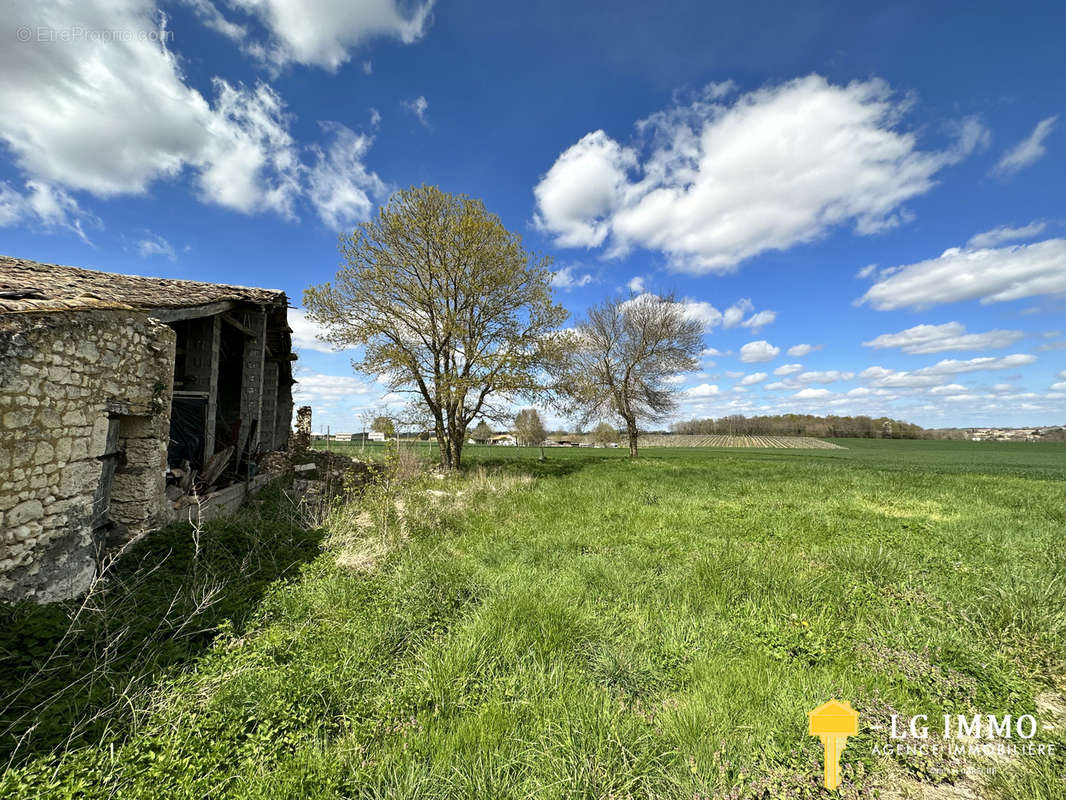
{"points": [[805, 425]]}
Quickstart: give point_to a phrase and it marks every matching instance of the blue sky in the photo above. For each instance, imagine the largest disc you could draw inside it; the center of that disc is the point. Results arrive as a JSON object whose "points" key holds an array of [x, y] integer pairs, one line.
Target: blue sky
{"points": [[865, 209]]}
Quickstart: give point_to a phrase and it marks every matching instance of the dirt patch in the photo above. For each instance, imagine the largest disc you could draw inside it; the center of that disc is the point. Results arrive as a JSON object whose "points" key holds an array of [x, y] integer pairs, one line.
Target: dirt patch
{"points": [[1052, 704], [362, 556], [913, 509], [908, 788], [921, 668]]}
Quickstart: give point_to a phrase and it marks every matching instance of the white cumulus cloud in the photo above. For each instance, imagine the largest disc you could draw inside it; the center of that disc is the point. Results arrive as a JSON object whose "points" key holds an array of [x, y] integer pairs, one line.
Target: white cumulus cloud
{"points": [[305, 332], [113, 115], [702, 311], [941, 338], [110, 116], [339, 185], [714, 183], [755, 352], [934, 375], [812, 394], [322, 391], [823, 376], [44, 205], [950, 388], [703, 390], [710, 317], [1005, 233], [324, 32], [735, 313], [756, 321], [566, 278], [580, 193], [989, 275]]}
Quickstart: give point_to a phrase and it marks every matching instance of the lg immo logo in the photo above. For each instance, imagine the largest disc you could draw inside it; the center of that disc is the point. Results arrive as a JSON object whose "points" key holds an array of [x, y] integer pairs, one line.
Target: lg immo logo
{"points": [[833, 723], [959, 735]]}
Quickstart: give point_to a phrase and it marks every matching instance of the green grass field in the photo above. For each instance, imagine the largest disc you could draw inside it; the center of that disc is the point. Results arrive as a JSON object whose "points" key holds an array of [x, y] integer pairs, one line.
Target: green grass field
{"points": [[592, 626]]}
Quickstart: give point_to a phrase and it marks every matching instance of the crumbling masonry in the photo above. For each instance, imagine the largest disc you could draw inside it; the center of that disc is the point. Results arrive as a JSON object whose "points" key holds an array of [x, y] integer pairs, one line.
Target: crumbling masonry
{"points": [[112, 388]]}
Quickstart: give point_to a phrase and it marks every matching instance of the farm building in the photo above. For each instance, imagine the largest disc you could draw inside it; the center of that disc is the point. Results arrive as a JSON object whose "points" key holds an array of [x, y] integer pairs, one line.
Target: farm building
{"points": [[506, 439], [116, 391]]}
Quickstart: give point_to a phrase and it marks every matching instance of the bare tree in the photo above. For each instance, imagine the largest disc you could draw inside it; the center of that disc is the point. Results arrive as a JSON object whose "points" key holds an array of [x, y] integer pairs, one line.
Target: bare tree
{"points": [[529, 427], [482, 433], [621, 356], [366, 417], [448, 306]]}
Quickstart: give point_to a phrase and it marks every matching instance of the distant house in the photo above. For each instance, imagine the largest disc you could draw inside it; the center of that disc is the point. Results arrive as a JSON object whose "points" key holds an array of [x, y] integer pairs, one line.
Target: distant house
{"points": [[503, 439], [342, 437], [376, 436]]}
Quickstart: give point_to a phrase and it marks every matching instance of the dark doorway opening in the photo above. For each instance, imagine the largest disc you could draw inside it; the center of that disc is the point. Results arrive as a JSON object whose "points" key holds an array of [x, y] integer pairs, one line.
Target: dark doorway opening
{"points": [[230, 382]]}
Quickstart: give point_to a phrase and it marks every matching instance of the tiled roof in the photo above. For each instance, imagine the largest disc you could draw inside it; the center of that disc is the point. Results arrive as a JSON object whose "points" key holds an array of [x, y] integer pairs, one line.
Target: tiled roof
{"points": [[32, 286]]}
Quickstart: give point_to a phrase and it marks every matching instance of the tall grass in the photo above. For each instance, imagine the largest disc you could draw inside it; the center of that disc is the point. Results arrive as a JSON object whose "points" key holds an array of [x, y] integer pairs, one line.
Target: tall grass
{"points": [[597, 627]]}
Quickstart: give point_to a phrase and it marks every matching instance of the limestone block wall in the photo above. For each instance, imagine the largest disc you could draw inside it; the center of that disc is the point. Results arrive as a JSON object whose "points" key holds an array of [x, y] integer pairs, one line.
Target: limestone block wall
{"points": [[75, 386], [283, 412]]}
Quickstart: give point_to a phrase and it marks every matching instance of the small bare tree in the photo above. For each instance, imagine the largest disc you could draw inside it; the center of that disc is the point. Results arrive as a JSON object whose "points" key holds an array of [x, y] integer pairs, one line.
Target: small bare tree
{"points": [[482, 433], [621, 356], [529, 428]]}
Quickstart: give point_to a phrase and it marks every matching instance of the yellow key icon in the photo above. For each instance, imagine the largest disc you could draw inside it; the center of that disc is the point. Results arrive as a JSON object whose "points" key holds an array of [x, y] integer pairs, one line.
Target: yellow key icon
{"points": [[833, 723]]}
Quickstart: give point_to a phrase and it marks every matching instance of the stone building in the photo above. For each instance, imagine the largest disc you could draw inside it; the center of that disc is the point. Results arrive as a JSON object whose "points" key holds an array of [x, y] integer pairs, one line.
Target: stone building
{"points": [[110, 387]]}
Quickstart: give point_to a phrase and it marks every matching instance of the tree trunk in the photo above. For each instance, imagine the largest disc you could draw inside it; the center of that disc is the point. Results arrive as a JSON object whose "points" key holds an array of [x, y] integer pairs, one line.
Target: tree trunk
{"points": [[631, 429], [442, 444], [455, 446]]}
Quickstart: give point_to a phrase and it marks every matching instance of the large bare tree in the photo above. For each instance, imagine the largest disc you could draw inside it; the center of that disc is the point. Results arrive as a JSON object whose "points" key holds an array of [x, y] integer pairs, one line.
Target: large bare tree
{"points": [[447, 306], [621, 357]]}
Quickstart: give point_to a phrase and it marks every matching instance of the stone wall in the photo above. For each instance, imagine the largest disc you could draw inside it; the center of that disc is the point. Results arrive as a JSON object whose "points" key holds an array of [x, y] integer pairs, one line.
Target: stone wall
{"points": [[75, 386]]}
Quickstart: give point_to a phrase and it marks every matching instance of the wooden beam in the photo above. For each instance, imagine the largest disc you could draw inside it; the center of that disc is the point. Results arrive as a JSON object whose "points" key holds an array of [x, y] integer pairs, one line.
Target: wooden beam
{"points": [[190, 312], [229, 320]]}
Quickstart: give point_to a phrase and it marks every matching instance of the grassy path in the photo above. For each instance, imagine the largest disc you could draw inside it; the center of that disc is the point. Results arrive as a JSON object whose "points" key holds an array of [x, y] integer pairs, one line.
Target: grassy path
{"points": [[612, 629]]}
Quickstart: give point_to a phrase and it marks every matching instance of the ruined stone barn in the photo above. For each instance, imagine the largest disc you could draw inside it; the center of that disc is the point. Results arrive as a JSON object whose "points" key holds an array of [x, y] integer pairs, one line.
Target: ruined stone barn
{"points": [[116, 393]]}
